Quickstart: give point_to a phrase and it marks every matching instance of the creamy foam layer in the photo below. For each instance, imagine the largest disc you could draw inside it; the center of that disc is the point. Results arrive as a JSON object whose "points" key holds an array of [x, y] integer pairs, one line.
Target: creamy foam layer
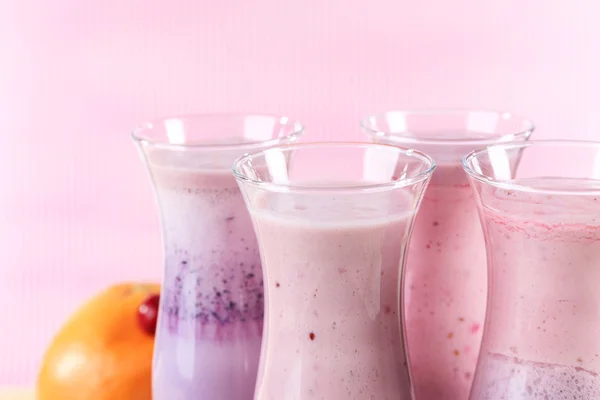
{"points": [[510, 378], [528, 205]]}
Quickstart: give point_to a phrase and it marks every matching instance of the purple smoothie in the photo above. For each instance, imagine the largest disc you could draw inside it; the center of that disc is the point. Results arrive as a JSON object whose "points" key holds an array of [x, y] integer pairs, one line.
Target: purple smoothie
{"points": [[210, 326]]}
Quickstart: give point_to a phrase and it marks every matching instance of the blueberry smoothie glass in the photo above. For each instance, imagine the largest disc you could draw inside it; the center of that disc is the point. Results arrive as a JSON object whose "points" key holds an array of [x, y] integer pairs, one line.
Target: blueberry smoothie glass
{"points": [[211, 309], [445, 278]]}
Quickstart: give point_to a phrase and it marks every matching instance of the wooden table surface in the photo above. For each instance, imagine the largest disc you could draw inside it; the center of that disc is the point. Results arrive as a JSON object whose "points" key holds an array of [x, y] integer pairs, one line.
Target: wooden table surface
{"points": [[16, 394]]}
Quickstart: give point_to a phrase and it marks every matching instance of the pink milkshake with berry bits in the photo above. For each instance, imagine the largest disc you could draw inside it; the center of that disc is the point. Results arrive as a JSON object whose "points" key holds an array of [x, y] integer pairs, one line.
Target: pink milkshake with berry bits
{"points": [[542, 233], [333, 221], [545, 272], [210, 320], [445, 281]]}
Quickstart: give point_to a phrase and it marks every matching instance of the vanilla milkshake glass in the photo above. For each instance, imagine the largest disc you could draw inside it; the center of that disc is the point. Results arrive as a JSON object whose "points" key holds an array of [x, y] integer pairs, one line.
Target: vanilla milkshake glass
{"points": [[211, 307], [333, 221], [542, 233], [445, 284]]}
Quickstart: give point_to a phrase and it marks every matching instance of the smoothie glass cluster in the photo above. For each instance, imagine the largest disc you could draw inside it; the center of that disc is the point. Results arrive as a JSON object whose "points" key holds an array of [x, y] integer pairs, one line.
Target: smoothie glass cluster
{"points": [[212, 303], [542, 233], [333, 221], [445, 282], [331, 226]]}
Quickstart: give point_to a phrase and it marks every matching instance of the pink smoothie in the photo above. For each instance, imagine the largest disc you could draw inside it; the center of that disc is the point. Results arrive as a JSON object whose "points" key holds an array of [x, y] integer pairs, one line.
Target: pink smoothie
{"points": [[542, 333], [211, 313], [445, 288], [333, 327]]}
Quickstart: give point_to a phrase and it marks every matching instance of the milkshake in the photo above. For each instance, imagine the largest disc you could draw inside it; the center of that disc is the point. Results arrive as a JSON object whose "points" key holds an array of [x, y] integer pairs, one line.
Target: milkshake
{"points": [[343, 278], [445, 288], [445, 285], [211, 311], [332, 253], [209, 329], [542, 235], [544, 273]]}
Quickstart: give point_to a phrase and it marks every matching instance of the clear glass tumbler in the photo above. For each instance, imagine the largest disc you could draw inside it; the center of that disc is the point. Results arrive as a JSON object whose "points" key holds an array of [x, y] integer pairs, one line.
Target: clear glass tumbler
{"points": [[211, 308], [333, 221], [542, 232], [446, 279]]}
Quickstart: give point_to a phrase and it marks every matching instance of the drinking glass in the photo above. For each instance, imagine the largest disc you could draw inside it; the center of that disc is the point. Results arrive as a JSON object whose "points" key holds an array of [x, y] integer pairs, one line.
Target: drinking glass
{"points": [[211, 307], [445, 282], [333, 221], [541, 225]]}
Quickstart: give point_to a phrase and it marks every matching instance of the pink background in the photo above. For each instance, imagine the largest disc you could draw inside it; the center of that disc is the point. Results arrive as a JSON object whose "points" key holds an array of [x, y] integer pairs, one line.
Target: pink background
{"points": [[76, 208]]}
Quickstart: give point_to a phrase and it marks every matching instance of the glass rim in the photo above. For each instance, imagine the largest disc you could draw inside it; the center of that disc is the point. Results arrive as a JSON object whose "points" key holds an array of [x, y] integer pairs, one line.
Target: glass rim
{"points": [[280, 187], [378, 133], [136, 134], [511, 185]]}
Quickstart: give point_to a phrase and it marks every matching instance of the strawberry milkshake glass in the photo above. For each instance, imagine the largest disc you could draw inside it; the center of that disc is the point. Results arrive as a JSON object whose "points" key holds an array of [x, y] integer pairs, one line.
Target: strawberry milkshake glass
{"points": [[333, 222], [445, 283], [542, 232]]}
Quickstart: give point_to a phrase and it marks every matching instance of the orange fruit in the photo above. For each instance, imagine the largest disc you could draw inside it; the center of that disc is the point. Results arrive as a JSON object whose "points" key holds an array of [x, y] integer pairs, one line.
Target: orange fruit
{"points": [[103, 352]]}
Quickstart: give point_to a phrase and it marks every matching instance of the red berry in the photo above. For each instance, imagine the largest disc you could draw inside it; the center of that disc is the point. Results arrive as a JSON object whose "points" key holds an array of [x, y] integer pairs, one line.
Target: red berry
{"points": [[148, 313]]}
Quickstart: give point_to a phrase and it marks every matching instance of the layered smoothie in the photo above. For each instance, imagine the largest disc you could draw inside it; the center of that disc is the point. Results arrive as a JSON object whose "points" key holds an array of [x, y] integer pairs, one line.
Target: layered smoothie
{"points": [[445, 288], [543, 326], [209, 329], [333, 327]]}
